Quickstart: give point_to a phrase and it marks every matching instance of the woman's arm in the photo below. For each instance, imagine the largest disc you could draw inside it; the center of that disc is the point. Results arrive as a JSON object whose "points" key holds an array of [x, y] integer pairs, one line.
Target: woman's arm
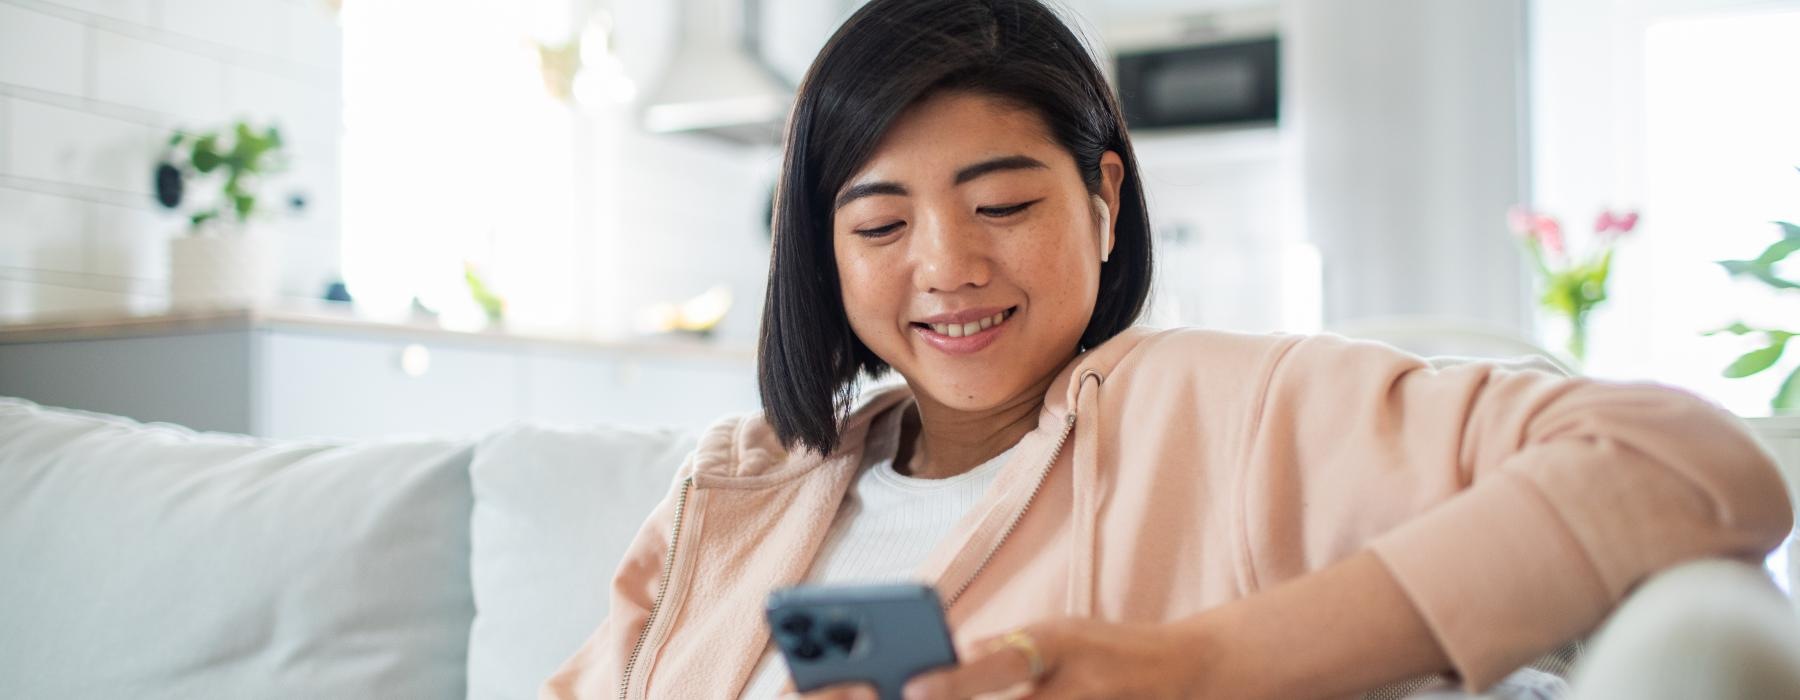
{"points": [[1339, 631], [1513, 508], [1336, 632]]}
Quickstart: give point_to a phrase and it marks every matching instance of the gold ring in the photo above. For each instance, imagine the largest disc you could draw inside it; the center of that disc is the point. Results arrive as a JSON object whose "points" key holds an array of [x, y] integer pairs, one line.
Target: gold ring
{"points": [[1018, 639]]}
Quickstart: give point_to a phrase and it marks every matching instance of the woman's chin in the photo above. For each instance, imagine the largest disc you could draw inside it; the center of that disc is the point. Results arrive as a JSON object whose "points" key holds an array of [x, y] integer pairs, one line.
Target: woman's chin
{"points": [[968, 394]]}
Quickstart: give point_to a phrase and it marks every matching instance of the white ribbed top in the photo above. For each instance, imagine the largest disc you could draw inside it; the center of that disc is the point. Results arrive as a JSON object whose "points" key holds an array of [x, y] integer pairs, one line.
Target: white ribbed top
{"points": [[885, 527]]}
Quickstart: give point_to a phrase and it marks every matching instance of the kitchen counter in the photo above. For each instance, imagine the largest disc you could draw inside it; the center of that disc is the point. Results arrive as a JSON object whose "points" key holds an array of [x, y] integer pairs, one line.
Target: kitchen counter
{"points": [[331, 317], [323, 370]]}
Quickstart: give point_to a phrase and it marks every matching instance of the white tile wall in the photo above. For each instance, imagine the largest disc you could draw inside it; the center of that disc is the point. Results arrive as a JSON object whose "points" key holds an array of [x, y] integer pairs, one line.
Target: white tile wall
{"points": [[5, 139], [40, 51], [306, 112], [130, 242], [89, 92], [310, 36], [134, 11], [250, 26], [40, 231], [158, 78], [73, 147], [695, 220], [21, 299], [309, 263]]}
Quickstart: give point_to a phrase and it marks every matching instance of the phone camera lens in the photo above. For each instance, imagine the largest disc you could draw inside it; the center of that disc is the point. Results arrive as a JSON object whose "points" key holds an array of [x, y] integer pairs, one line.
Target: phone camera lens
{"points": [[796, 624], [808, 649], [841, 635]]}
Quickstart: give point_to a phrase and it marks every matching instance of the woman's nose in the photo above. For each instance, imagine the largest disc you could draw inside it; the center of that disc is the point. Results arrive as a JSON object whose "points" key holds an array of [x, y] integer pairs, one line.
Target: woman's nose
{"points": [[950, 253]]}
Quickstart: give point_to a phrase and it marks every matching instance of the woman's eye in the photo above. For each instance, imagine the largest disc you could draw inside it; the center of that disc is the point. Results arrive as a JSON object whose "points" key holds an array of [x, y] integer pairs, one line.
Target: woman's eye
{"points": [[1005, 211], [879, 231]]}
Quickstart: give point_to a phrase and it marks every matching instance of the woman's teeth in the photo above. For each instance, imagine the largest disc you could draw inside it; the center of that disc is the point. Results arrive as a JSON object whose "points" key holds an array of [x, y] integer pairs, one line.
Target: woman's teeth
{"points": [[958, 330]]}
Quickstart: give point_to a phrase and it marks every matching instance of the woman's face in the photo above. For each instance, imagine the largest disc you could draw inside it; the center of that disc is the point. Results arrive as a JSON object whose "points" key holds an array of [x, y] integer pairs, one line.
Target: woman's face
{"points": [[968, 249]]}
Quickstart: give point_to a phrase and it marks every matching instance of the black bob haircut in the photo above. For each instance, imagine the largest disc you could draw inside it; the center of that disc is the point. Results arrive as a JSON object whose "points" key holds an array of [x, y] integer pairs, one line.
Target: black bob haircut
{"points": [[886, 57]]}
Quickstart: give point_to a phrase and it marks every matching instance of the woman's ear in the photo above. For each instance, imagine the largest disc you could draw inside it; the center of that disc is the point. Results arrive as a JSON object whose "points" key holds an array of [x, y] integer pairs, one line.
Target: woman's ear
{"points": [[1106, 201], [1103, 224]]}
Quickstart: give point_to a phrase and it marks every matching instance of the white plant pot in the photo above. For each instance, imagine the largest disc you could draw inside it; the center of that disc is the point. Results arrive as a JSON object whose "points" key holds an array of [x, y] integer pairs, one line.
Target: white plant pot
{"points": [[232, 268]]}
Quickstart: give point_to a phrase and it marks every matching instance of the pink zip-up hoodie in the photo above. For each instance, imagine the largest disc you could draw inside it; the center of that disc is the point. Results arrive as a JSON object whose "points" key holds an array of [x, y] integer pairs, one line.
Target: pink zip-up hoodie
{"points": [[1176, 471]]}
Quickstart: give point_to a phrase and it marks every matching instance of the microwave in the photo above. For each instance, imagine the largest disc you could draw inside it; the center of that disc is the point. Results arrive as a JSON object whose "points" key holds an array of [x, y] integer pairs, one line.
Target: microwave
{"points": [[1236, 83]]}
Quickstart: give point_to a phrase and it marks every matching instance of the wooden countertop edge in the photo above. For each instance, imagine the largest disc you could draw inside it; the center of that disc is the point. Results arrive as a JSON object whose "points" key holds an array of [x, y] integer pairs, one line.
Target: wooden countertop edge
{"points": [[105, 326]]}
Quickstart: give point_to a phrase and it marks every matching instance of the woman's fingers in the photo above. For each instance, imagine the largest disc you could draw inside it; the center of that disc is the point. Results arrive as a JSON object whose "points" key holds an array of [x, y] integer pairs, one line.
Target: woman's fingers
{"points": [[994, 667], [846, 691]]}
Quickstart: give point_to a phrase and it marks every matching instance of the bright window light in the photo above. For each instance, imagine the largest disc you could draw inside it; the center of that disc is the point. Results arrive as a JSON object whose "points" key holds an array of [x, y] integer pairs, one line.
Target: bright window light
{"points": [[1722, 144], [454, 153]]}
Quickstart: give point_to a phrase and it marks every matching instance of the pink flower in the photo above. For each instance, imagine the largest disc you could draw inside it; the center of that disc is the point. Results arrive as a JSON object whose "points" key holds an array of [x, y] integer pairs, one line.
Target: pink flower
{"points": [[1626, 223], [1604, 223], [1612, 226], [1548, 233]]}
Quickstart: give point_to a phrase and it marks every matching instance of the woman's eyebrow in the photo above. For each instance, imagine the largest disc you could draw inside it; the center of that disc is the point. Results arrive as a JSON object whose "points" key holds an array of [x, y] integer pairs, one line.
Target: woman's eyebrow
{"points": [[965, 174], [867, 189], [994, 165]]}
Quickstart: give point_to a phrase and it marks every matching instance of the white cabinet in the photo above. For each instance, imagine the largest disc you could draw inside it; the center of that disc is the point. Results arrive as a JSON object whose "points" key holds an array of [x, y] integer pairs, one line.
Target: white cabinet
{"points": [[311, 384], [295, 376]]}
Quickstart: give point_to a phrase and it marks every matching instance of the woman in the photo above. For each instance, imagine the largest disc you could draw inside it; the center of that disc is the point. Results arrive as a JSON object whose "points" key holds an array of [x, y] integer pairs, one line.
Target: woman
{"points": [[1107, 511]]}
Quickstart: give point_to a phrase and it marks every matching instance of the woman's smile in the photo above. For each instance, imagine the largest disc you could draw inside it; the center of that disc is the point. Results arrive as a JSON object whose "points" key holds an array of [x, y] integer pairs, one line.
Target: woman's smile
{"points": [[964, 332]]}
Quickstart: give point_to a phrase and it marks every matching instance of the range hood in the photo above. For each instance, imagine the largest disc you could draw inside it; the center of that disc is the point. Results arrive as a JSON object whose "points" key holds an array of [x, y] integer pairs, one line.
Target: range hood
{"points": [[717, 83]]}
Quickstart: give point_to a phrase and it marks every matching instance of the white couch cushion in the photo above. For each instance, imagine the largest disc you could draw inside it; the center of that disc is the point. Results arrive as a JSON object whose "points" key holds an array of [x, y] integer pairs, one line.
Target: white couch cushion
{"points": [[555, 508], [149, 561]]}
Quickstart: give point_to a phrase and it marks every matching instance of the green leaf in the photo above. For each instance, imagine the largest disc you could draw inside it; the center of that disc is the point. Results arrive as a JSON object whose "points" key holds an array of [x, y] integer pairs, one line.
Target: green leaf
{"points": [[1756, 360], [244, 204], [1787, 398], [1789, 231], [1778, 251], [1737, 328], [175, 140], [206, 154], [1768, 277], [1761, 272], [201, 217]]}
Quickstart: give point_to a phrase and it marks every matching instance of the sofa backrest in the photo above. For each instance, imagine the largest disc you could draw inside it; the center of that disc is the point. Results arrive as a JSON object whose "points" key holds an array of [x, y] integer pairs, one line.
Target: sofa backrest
{"points": [[150, 561], [555, 510]]}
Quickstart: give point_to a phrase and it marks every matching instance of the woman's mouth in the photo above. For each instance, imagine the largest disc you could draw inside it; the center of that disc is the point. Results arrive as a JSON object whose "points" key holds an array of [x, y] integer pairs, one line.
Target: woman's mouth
{"points": [[966, 337]]}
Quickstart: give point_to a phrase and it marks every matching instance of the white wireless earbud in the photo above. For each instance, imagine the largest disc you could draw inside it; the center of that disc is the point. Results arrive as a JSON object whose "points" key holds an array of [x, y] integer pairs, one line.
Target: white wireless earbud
{"points": [[1104, 214]]}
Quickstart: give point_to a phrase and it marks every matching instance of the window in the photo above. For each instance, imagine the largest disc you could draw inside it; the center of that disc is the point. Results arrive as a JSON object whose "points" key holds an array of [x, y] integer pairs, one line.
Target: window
{"points": [[1722, 148], [1682, 109], [455, 153]]}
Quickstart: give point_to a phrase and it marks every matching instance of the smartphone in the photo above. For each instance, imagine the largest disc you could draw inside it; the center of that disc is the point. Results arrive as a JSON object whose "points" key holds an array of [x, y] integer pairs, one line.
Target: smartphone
{"points": [[881, 634]]}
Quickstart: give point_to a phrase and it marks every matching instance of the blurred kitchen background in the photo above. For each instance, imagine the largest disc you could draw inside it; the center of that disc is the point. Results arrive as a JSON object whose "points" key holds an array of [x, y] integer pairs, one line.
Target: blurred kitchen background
{"points": [[558, 209]]}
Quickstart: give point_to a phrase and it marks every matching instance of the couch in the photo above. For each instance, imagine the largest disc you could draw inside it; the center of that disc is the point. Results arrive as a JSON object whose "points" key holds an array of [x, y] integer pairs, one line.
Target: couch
{"points": [[151, 561]]}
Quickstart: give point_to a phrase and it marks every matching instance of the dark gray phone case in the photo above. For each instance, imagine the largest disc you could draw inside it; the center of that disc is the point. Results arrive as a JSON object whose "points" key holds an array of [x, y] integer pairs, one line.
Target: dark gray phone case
{"points": [[878, 634]]}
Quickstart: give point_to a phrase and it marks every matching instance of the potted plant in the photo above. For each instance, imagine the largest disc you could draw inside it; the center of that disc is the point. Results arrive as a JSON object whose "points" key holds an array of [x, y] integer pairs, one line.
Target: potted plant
{"points": [[226, 258]]}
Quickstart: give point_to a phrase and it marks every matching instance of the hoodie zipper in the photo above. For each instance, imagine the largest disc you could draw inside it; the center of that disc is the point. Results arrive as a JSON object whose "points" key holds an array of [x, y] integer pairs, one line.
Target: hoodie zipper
{"points": [[1068, 426], [662, 589]]}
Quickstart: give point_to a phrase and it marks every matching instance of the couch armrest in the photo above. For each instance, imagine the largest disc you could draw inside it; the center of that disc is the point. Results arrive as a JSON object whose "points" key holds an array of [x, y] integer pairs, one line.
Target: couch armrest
{"points": [[1711, 628]]}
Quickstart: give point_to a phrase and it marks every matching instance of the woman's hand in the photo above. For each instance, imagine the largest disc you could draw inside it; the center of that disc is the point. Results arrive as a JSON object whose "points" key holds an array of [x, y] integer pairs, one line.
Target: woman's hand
{"points": [[1079, 659]]}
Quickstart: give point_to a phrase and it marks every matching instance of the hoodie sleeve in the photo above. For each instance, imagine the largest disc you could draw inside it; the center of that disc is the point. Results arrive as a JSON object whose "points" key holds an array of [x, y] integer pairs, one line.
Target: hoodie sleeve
{"points": [[594, 671], [1515, 508]]}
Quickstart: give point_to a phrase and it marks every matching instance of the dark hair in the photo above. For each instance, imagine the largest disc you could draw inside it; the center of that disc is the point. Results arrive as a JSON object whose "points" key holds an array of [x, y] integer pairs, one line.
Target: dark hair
{"points": [[885, 58]]}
